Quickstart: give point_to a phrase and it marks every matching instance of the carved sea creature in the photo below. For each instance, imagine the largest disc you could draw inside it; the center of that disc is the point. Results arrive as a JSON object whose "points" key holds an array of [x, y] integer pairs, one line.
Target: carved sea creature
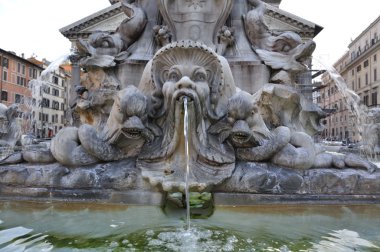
{"points": [[256, 29], [326, 159], [124, 133], [283, 105], [122, 137], [10, 133], [100, 43], [284, 51], [243, 125], [131, 27], [67, 149], [292, 60]]}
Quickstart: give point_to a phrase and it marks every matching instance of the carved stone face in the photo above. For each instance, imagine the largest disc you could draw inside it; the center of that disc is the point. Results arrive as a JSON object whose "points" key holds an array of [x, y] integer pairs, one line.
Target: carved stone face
{"points": [[189, 81], [192, 70], [127, 117], [248, 127]]}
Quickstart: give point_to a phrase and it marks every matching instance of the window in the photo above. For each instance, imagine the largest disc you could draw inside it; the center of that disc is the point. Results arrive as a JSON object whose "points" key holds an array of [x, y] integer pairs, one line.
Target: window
{"points": [[19, 67], [374, 97], [375, 74], [366, 78], [55, 80], [352, 72], [365, 100], [23, 69], [46, 89], [5, 76], [353, 85], [352, 55], [365, 63], [45, 103], [5, 62], [4, 95], [30, 72], [55, 92], [18, 98], [45, 117], [21, 81], [359, 82], [374, 57], [62, 106], [359, 68], [55, 105]]}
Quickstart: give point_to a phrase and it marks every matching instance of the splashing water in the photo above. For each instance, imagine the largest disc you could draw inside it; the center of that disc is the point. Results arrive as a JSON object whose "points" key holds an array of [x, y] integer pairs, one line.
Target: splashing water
{"points": [[38, 87], [54, 66], [187, 193], [350, 99]]}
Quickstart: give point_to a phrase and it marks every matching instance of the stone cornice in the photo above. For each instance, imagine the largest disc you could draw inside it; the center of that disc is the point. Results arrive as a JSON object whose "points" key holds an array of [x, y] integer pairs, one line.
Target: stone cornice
{"points": [[7, 54], [74, 29], [309, 29], [363, 32], [364, 54]]}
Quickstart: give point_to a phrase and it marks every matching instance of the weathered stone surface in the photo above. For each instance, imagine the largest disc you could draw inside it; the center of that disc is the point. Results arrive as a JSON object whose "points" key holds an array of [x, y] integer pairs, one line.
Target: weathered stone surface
{"points": [[122, 181], [266, 178], [121, 175]]}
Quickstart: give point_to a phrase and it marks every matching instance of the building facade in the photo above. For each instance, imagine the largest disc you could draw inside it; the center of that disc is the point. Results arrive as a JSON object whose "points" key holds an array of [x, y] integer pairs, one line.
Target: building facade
{"points": [[42, 103], [49, 95], [15, 74], [359, 69]]}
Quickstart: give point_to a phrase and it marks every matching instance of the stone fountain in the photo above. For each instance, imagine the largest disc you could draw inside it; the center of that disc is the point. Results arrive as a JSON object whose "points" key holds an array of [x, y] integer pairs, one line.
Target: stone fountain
{"points": [[250, 126]]}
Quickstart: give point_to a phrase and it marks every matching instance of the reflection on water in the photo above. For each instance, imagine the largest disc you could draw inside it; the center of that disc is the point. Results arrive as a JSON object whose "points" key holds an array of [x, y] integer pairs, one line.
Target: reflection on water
{"points": [[98, 227]]}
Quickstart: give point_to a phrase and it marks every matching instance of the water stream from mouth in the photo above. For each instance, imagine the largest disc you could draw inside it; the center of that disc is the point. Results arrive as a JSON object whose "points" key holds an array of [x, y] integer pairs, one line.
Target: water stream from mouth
{"points": [[185, 130]]}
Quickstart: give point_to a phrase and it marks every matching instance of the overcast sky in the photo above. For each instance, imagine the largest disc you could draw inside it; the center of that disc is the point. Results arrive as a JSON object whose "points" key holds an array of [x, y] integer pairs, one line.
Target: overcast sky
{"points": [[32, 26]]}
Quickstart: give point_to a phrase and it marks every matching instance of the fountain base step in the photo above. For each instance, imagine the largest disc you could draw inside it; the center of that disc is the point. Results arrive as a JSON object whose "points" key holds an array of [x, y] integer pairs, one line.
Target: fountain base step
{"points": [[251, 183]]}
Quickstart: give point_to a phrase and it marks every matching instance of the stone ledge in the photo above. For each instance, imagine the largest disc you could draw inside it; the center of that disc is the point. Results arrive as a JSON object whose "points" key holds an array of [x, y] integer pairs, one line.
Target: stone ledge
{"points": [[251, 183], [248, 199], [80, 195]]}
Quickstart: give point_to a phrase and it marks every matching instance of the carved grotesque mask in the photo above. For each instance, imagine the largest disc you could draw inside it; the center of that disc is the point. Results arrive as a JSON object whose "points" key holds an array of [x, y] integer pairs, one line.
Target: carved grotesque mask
{"points": [[192, 70]]}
